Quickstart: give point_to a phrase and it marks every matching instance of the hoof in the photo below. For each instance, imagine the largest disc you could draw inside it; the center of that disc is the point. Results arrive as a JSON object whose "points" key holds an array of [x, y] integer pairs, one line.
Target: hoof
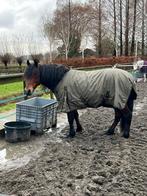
{"points": [[126, 135], [79, 129], [71, 135], [110, 132], [54, 125]]}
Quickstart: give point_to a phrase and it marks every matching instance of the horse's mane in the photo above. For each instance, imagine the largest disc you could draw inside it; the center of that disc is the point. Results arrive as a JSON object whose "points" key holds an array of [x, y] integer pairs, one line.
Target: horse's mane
{"points": [[51, 74]]}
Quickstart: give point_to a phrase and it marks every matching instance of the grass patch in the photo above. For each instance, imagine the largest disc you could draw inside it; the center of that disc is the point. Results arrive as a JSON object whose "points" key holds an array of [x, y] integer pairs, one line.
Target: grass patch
{"points": [[13, 88], [9, 80], [7, 107], [11, 106], [10, 89]]}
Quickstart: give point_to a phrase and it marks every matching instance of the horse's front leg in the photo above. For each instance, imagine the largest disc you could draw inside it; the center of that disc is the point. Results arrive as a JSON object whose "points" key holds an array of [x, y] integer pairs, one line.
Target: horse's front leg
{"points": [[116, 121], [76, 116], [71, 117]]}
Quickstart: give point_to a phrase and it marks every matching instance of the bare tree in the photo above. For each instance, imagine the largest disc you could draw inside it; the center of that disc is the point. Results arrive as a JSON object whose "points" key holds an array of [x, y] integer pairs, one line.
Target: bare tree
{"points": [[143, 27], [62, 20], [134, 28], [98, 30], [114, 22], [115, 8], [34, 45], [100, 27], [121, 28], [5, 53], [127, 28], [81, 19], [18, 47], [83, 45], [119, 23], [71, 21], [49, 31]]}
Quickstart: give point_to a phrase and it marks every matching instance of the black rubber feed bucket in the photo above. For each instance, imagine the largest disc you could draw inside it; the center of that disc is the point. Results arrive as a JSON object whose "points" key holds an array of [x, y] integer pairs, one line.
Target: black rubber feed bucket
{"points": [[17, 131]]}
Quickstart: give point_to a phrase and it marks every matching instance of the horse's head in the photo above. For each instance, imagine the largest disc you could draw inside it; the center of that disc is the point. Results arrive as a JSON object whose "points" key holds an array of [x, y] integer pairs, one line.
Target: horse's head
{"points": [[31, 77]]}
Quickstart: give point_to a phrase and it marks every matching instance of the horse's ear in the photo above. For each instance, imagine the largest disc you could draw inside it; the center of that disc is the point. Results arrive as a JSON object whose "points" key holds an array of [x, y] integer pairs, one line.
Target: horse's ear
{"points": [[28, 62], [36, 61]]}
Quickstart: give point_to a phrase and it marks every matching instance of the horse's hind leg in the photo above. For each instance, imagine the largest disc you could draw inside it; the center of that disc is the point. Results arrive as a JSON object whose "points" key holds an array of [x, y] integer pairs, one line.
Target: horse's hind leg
{"points": [[116, 121], [126, 122], [127, 118], [71, 117], [76, 116]]}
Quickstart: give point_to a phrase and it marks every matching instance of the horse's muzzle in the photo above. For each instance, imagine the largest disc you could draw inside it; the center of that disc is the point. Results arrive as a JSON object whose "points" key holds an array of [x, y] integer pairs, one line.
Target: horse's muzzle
{"points": [[27, 92]]}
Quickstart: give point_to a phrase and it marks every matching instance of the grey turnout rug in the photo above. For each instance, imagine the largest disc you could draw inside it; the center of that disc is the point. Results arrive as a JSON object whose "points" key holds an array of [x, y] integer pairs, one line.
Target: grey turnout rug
{"points": [[106, 87]]}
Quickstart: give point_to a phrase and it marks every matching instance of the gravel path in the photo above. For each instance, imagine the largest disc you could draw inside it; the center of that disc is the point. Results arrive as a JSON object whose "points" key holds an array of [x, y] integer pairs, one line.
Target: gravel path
{"points": [[91, 164]]}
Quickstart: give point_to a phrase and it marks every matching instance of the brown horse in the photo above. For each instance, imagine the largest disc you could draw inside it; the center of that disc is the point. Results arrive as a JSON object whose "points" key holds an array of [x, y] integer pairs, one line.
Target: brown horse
{"points": [[75, 90]]}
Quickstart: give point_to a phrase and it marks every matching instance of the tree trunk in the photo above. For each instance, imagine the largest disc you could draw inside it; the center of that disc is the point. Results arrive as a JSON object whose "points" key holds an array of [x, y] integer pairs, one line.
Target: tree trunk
{"points": [[134, 29], [69, 27], [100, 30], [143, 26], [50, 53], [6, 64], [114, 11], [127, 29], [121, 32], [66, 53], [83, 55]]}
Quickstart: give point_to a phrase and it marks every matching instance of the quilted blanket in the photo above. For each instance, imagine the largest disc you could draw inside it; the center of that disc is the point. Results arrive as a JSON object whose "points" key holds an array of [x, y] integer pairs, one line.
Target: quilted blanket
{"points": [[105, 87]]}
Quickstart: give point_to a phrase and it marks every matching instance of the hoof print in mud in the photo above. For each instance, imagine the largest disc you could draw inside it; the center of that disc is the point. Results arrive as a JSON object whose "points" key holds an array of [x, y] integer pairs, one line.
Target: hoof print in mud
{"points": [[98, 179], [80, 176], [92, 187]]}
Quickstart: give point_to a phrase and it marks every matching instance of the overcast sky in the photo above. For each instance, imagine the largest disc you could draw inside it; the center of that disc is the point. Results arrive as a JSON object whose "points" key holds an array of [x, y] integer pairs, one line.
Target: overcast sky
{"points": [[24, 16]]}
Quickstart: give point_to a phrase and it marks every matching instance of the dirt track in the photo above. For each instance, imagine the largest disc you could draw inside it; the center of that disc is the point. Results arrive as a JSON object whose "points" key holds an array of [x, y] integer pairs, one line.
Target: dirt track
{"points": [[91, 163]]}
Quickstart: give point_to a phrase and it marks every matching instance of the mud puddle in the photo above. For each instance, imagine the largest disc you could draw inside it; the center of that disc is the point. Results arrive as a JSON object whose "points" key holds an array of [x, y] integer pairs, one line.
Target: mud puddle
{"points": [[91, 163], [14, 155], [19, 154]]}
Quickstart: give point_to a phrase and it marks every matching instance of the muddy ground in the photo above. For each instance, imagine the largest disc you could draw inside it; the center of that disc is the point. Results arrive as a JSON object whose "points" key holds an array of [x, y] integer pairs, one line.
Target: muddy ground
{"points": [[90, 164]]}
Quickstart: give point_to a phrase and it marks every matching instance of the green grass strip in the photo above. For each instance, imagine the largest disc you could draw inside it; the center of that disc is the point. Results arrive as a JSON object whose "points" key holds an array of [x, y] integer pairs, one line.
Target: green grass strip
{"points": [[7, 107], [11, 106], [9, 89]]}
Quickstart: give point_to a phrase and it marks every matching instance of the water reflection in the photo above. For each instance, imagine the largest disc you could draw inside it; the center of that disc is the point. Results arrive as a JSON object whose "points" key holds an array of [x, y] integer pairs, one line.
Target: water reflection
{"points": [[17, 154], [3, 156], [14, 155]]}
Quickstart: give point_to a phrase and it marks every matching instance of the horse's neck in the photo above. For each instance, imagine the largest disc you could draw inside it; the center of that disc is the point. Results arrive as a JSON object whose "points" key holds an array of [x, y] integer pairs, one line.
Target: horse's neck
{"points": [[51, 75]]}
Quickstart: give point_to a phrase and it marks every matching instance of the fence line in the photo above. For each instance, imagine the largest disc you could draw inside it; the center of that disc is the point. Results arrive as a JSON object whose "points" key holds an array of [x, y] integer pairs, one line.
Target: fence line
{"points": [[5, 101]]}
